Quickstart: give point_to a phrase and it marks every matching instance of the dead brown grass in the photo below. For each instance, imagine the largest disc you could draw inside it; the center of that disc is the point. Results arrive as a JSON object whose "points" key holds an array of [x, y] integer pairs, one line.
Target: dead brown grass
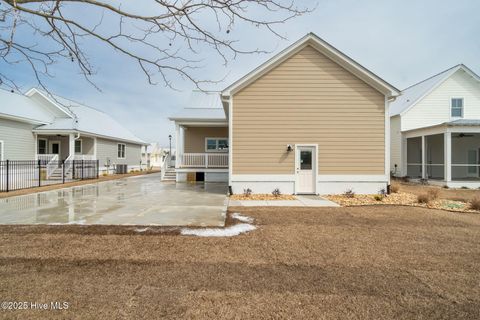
{"points": [[301, 263], [475, 203], [423, 198], [448, 194]]}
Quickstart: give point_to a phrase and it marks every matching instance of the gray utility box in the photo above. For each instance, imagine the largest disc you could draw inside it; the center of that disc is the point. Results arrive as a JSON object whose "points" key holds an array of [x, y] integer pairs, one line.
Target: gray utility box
{"points": [[121, 169]]}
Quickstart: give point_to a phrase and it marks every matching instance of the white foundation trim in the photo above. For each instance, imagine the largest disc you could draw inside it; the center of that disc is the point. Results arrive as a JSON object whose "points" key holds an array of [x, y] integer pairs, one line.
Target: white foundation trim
{"points": [[352, 178]]}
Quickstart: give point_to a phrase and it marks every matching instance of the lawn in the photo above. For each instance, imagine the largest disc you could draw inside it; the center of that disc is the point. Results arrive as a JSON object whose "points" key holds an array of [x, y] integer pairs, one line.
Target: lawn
{"points": [[380, 262]]}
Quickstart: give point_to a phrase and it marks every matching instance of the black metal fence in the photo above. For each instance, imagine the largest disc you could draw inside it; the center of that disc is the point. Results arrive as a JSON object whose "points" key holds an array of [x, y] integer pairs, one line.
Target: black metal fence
{"points": [[19, 174]]}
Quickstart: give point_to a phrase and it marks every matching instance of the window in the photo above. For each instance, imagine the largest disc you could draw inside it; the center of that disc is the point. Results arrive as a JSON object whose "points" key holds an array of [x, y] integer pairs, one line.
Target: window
{"points": [[42, 146], [457, 108], [306, 160], [121, 151], [216, 144], [78, 146]]}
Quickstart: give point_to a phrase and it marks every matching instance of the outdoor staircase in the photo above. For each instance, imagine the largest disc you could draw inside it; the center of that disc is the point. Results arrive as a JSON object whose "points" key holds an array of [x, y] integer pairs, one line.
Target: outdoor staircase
{"points": [[170, 174]]}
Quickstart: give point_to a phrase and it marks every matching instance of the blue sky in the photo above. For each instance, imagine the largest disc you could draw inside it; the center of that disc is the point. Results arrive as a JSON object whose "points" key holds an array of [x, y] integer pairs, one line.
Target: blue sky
{"points": [[401, 41]]}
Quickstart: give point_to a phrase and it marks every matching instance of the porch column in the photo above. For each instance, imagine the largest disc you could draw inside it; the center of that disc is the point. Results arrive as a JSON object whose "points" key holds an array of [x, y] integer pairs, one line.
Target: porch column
{"points": [[447, 141], [95, 148], [36, 146], [71, 144], [424, 156], [178, 152]]}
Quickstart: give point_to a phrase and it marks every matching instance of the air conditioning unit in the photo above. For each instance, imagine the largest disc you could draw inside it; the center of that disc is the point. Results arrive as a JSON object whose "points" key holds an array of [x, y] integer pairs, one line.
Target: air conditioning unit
{"points": [[121, 169]]}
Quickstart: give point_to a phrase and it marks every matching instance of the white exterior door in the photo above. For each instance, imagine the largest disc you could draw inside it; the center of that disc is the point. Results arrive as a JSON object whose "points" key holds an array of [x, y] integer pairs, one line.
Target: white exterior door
{"points": [[306, 169]]}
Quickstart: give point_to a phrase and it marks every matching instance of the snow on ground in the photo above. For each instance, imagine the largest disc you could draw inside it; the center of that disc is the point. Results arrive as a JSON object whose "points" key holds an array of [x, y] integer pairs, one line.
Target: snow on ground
{"points": [[241, 218], [231, 231]]}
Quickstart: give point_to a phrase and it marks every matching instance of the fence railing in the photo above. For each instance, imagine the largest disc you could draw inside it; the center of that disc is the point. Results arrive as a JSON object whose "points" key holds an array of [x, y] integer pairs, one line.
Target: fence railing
{"points": [[18, 174]]}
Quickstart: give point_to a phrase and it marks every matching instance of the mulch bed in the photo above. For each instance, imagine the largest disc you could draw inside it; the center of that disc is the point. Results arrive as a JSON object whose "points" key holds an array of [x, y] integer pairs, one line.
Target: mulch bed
{"points": [[401, 198], [262, 197]]}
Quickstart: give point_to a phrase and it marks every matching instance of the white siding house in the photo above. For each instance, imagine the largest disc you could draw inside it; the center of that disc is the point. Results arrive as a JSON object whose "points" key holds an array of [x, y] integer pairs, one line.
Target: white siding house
{"points": [[435, 129], [37, 126]]}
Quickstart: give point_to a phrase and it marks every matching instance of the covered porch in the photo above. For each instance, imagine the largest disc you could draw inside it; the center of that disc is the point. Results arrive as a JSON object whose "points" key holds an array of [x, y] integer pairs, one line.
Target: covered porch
{"points": [[66, 146], [448, 154], [201, 146]]}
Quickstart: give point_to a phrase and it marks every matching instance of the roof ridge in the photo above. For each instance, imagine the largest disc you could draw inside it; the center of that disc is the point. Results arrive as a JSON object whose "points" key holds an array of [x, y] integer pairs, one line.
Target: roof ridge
{"points": [[431, 77]]}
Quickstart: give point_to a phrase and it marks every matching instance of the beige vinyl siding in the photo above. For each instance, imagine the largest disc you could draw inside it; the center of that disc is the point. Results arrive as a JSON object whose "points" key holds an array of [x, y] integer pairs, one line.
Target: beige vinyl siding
{"points": [[309, 99], [18, 140], [195, 137], [107, 149]]}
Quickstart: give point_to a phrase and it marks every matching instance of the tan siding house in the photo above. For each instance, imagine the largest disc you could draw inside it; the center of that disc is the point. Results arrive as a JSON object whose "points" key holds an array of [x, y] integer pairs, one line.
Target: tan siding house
{"points": [[310, 120]]}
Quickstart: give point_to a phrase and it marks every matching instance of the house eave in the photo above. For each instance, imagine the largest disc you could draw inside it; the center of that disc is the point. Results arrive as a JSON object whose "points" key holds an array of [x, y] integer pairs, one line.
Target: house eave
{"points": [[22, 119], [68, 131]]}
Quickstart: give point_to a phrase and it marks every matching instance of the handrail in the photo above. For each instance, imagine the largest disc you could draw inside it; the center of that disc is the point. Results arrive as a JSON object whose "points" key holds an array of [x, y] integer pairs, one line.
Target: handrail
{"points": [[52, 165], [68, 163], [205, 160], [164, 167]]}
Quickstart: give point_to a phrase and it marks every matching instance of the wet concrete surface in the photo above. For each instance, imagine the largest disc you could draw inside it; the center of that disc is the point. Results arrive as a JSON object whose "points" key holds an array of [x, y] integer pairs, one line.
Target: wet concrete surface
{"points": [[143, 200]]}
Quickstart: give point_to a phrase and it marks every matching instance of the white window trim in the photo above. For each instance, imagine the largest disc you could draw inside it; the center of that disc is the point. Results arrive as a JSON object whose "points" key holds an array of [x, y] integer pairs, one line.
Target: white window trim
{"points": [[81, 146], [2, 148], [50, 142], [216, 150], [46, 145], [124, 151], [451, 108]]}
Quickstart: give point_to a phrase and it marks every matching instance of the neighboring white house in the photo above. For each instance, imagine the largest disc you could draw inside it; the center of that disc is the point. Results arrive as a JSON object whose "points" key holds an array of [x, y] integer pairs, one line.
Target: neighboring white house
{"points": [[155, 155], [435, 129], [35, 126]]}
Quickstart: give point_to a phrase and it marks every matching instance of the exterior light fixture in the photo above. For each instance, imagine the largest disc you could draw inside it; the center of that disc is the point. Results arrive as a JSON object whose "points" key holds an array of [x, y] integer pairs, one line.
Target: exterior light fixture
{"points": [[289, 147]]}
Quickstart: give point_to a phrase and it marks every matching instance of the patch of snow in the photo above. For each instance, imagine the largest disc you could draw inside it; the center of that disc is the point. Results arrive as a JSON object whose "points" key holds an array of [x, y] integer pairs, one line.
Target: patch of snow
{"points": [[241, 218], [231, 231], [141, 230]]}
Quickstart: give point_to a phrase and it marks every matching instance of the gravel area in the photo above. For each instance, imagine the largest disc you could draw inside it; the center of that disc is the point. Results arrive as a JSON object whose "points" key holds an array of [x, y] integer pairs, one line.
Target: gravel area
{"points": [[378, 262]]}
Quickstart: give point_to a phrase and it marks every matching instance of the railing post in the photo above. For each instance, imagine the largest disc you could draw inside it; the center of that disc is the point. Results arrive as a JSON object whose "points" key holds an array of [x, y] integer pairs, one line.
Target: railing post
{"points": [[206, 160], [63, 171], [8, 173], [73, 169], [39, 163], [82, 168], [98, 167]]}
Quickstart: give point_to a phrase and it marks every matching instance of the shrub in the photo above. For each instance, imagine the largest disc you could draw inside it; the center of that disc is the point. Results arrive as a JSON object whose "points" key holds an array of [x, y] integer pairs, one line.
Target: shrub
{"points": [[405, 179], [464, 187], [433, 194], [423, 198], [349, 193], [475, 203], [105, 174], [445, 187], [394, 188], [276, 192], [247, 192], [379, 197]]}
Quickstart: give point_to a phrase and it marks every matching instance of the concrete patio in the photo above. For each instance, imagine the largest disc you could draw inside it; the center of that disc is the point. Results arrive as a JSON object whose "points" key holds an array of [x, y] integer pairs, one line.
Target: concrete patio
{"points": [[142, 200]]}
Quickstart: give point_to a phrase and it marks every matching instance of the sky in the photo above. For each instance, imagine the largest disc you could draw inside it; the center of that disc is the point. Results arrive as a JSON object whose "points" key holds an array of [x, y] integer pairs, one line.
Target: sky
{"points": [[403, 42]]}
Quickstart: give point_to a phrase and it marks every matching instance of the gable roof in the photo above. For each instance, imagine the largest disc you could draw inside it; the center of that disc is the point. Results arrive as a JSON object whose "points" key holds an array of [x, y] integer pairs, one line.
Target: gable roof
{"points": [[19, 107], [324, 48], [89, 120], [415, 93], [202, 105]]}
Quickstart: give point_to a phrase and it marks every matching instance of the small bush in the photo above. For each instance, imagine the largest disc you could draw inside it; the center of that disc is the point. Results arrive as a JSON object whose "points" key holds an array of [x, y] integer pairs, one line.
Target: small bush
{"points": [[104, 174], [433, 194], [466, 188], [379, 197], [423, 198], [394, 188], [349, 193], [445, 187], [276, 192], [247, 192], [405, 179], [475, 203]]}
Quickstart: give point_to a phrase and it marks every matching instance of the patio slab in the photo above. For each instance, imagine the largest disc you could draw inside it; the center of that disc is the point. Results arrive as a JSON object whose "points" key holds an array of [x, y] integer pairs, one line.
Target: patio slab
{"points": [[301, 201], [142, 200]]}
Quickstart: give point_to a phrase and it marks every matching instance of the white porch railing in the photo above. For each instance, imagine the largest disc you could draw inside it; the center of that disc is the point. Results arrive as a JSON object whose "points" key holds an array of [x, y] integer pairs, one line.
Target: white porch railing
{"points": [[165, 166], [84, 157], [52, 165], [46, 157], [205, 160]]}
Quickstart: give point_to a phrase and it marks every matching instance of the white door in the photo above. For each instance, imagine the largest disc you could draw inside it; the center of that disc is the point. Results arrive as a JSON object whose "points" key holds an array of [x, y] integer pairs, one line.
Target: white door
{"points": [[306, 167]]}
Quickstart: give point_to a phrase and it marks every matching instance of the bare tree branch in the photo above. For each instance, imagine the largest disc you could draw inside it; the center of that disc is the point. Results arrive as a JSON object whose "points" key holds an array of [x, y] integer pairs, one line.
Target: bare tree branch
{"points": [[164, 37]]}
